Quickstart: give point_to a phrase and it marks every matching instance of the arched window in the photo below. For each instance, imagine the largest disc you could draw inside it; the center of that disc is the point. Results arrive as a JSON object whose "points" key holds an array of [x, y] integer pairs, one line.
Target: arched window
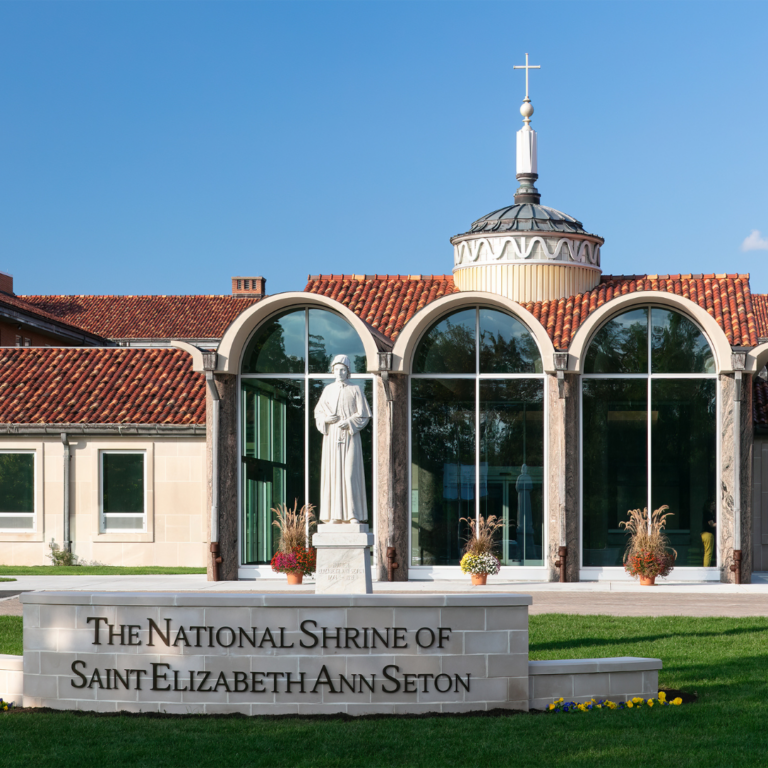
{"points": [[649, 421], [285, 367], [477, 437]]}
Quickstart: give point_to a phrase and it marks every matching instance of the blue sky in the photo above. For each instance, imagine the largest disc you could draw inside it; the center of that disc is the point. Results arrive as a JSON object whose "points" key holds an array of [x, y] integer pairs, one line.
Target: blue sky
{"points": [[164, 147]]}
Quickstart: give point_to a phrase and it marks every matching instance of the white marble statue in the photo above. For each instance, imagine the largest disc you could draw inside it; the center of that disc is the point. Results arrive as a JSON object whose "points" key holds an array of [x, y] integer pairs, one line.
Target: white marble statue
{"points": [[340, 415]]}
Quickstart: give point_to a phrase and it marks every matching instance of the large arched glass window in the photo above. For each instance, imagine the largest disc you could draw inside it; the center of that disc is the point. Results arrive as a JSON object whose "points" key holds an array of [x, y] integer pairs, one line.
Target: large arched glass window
{"points": [[284, 370], [477, 437], [649, 421]]}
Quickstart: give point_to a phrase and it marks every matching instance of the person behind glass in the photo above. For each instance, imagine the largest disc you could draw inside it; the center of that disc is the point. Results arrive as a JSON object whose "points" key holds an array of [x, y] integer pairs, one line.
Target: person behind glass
{"points": [[341, 413], [708, 528]]}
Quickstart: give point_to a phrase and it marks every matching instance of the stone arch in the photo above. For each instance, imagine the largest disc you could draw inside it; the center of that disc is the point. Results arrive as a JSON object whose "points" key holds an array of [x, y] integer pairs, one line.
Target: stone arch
{"points": [[236, 336], [718, 342], [407, 341]]}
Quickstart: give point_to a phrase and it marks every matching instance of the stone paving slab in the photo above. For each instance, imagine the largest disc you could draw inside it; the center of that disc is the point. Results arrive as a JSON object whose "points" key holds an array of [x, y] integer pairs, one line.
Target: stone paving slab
{"points": [[612, 604], [198, 583]]}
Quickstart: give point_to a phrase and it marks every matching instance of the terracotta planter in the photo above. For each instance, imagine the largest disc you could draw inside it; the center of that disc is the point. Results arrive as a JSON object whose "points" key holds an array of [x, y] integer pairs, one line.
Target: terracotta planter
{"points": [[479, 579], [294, 577], [647, 581]]}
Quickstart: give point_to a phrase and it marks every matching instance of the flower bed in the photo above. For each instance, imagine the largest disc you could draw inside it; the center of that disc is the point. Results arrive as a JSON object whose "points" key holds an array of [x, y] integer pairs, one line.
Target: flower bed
{"points": [[6, 705], [560, 705]]}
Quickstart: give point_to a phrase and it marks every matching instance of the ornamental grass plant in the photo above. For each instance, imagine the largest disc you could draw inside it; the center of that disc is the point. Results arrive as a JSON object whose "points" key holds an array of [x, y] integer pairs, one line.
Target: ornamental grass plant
{"points": [[649, 552], [482, 537], [293, 525]]}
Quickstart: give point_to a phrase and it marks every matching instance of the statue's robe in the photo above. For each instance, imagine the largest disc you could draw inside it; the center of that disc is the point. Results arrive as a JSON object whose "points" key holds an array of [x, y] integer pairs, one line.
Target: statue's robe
{"points": [[342, 485]]}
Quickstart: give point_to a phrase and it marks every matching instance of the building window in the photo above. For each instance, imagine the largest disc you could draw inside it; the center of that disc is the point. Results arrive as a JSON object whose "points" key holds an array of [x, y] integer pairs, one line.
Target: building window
{"points": [[27, 342], [649, 434], [18, 340], [286, 366], [17, 491], [123, 491], [477, 437]]}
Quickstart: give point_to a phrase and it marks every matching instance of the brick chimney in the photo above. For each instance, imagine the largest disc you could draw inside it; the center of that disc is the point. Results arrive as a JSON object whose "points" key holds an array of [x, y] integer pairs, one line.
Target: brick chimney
{"points": [[250, 287], [6, 283]]}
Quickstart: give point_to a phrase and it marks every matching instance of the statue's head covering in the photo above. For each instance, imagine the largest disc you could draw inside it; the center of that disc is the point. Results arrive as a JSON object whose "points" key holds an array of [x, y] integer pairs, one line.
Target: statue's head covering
{"points": [[341, 360]]}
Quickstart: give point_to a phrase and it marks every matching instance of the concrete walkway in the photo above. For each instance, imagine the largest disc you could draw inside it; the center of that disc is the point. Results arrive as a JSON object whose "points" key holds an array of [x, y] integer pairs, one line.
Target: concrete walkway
{"points": [[606, 597]]}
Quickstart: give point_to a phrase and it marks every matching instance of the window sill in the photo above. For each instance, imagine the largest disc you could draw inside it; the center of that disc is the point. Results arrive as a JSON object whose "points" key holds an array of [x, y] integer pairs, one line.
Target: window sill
{"points": [[123, 538], [31, 536]]}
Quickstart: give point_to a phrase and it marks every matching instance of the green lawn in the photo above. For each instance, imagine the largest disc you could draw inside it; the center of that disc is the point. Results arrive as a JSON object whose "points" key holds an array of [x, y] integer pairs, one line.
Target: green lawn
{"points": [[10, 635], [723, 660], [7, 579], [89, 570]]}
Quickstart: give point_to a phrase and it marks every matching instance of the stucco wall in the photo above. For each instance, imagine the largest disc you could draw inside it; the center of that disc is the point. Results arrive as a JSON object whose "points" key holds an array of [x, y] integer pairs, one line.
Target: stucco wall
{"points": [[175, 501]]}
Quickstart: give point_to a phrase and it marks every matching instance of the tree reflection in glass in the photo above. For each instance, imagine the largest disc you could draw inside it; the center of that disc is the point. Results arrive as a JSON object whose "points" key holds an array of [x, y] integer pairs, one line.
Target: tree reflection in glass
{"points": [[331, 335], [449, 345], [677, 345], [621, 345], [506, 345], [512, 465], [278, 346], [443, 468]]}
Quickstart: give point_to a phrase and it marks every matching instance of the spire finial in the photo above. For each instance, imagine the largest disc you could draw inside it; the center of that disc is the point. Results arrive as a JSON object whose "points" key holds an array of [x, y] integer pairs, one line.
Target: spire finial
{"points": [[526, 147], [526, 110]]}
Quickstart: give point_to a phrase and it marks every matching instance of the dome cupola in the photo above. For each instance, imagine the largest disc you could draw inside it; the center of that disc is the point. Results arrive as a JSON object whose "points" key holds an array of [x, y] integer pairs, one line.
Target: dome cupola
{"points": [[526, 251]]}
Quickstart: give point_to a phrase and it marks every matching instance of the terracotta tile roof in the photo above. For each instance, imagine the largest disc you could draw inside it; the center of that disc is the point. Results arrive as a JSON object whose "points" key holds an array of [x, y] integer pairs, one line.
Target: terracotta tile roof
{"points": [[387, 302], [20, 304], [146, 317], [760, 306], [760, 402], [68, 385], [726, 297]]}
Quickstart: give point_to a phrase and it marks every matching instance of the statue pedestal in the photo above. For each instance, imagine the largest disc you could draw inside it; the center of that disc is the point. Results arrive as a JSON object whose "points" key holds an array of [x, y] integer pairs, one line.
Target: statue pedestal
{"points": [[343, 559]]}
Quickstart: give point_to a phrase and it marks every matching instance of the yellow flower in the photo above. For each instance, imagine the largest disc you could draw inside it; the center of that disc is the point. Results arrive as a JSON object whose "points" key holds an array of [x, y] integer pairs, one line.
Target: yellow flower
{"points": [[637, 700], [677, 702], [630, 704], [551, 706], [650, 702], [582, 707], [599, 706], [662, 696]]}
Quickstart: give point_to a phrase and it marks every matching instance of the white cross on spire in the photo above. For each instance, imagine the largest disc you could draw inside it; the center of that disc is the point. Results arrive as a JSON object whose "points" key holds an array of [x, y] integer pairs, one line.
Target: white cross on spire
{"points": [[526, 67]]}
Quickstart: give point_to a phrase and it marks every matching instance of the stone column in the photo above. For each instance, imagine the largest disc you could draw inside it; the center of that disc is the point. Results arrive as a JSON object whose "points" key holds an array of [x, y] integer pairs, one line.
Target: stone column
{"points": [[726, 524], [392, 434], [563, 462], [226, 386]]}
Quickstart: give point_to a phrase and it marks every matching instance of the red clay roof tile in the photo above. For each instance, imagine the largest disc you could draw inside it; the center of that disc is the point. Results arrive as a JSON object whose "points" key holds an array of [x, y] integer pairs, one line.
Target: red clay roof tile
{"points": [[145, 317], [388, 302], [67, 385], [760, 307]]}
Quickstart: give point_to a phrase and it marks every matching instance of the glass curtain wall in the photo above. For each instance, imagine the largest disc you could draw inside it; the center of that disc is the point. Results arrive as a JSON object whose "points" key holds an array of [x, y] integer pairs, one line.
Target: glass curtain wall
{"points": [[285, 368], [477, 437], [649, 421]]}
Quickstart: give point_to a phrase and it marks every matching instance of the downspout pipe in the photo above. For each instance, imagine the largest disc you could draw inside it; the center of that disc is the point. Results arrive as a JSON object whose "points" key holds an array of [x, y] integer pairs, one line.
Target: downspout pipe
{"points": [[736, 566], [391, 550], [215, 403], [67, 456]]}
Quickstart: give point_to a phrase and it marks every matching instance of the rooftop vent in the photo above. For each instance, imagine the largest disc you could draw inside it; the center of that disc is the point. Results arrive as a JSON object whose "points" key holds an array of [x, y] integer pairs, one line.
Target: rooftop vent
{"points": [[251, 287]]}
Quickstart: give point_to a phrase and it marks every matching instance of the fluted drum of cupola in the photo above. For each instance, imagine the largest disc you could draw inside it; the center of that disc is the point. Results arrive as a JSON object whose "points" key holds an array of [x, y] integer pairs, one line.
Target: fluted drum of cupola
{"points": [[527, 252]]}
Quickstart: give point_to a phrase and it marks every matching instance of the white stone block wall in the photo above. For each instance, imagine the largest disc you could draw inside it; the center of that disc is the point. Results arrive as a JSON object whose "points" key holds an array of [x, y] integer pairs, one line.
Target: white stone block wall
{"points": [[485, 644], [12, 679], [176, 488], [579, 680]]}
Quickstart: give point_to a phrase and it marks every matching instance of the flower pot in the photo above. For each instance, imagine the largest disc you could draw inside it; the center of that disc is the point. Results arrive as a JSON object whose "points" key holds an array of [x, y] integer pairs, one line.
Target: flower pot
{"points": [[479, 579], [295, 578], [647, 581]]}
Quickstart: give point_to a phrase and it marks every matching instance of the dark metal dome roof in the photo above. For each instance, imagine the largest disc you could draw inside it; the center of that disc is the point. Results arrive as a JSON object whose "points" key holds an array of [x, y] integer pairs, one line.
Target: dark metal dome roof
{"points": [[528, 217]]}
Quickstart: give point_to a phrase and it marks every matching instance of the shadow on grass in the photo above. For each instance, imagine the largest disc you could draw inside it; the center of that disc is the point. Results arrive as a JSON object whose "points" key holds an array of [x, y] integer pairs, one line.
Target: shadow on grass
{"points": [[586, 642]]}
